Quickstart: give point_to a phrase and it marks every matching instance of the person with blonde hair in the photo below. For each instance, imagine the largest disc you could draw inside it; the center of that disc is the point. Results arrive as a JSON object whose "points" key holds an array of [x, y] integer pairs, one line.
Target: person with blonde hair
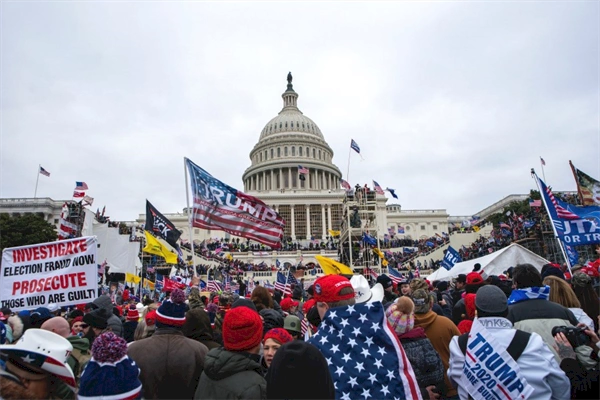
{"points": [[562, 293]]}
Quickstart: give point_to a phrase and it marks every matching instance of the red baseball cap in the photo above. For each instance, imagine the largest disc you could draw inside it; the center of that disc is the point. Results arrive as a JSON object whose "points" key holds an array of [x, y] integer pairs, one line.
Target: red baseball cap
{"points": [[287, 303], [308, 304], [328, 288], [474, 278]]}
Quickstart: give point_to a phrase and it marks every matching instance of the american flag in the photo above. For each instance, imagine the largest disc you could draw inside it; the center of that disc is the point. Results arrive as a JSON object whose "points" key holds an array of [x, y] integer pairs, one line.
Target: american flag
{"points": [[417, 272], [542, 161], [227, 280], [371, 272], [150, 270], [345, 184], [354, 146], [281, 284], [562, 212], [364, 355], [302, 170], [44, 172], [378, 188], [395, 275], [232, 211], [213, 286], [81, 186], [304, 326], [535, 203], [78, 194]]}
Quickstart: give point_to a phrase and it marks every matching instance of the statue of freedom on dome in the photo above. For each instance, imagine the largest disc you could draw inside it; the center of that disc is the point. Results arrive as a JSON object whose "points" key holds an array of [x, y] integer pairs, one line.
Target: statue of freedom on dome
{"points": [[289, 78]]}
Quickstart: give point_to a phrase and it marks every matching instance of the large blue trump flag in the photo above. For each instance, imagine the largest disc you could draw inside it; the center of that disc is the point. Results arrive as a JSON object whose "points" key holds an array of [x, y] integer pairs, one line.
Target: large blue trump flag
{"points": [[575, 226], [450, 258]]}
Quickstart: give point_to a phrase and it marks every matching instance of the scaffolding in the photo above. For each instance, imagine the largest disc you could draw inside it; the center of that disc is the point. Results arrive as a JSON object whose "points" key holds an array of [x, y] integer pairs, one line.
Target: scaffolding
{"points": [[359, 217], [71, 220]]}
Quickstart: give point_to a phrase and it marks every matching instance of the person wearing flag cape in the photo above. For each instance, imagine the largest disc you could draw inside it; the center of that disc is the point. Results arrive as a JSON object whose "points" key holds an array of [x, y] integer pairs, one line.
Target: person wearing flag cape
{"points": [[365, 357], [496, 361]]}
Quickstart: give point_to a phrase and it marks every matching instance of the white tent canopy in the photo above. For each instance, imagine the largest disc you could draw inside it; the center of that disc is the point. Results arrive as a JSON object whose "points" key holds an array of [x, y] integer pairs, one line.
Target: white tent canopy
{"points": [[493, 264]]}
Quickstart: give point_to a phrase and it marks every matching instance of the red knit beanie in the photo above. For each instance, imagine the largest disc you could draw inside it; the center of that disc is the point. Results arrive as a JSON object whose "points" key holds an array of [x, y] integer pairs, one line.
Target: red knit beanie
{"points": [[242, 329], [279, 335]]}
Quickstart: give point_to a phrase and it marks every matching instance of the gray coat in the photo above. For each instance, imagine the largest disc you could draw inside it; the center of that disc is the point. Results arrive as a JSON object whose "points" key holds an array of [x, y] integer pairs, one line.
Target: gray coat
{"points": [[114, 323]]}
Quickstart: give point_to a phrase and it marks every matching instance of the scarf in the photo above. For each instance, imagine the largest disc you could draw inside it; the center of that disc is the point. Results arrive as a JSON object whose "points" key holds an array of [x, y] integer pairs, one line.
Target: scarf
{"points": [[530, 293]]}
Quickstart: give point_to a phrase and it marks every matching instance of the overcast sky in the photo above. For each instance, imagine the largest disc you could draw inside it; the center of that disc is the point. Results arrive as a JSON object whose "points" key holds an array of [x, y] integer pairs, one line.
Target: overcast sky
{"points": [[451, 103]]}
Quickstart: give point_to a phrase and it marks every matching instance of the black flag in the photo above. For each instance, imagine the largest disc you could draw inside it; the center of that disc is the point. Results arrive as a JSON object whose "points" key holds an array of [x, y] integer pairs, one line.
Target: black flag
{"points": [[160, 226]]}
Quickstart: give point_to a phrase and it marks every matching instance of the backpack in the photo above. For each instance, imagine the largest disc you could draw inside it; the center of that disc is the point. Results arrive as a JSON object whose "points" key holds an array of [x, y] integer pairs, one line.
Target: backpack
{"points": [[515, 347], [80, 360]]}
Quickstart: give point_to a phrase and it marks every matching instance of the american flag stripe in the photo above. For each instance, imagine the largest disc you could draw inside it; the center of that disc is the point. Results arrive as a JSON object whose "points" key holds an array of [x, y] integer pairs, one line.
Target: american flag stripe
{"points": [[562, 212], [213, 286], [304, 326], [234, 224], [221, 207], [44, 172]]}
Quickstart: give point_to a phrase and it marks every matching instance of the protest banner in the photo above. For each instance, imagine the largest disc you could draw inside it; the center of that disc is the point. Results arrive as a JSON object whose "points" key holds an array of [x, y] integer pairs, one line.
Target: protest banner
{"points": [[489, 371], [64, 272]]}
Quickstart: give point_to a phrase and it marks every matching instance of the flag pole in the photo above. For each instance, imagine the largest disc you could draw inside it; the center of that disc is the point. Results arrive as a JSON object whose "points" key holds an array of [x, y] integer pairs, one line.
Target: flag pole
{"points": [[543, 173], [187, 199], [560, 243], [37, 180], [348, 168], [579, 193]]}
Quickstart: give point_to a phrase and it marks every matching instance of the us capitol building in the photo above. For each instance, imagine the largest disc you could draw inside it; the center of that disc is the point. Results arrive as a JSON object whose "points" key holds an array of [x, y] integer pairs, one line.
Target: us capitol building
{"points": [[311, 204]]}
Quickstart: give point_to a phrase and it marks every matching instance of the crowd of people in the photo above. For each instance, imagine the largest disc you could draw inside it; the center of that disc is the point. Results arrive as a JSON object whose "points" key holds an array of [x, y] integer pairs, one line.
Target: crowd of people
{"points": [[410, 339]]}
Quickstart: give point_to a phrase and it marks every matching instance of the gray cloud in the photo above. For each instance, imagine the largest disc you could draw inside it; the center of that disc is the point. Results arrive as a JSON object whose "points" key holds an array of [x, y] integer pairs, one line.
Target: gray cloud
{"points": [[451, 103]]}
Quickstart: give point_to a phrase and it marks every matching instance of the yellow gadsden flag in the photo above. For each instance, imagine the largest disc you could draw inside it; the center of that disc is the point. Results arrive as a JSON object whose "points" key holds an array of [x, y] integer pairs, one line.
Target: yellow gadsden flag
{"points": [[384, 262], [132, 278], [153, 246], [332, 267], [334, 233], [149, 284]]}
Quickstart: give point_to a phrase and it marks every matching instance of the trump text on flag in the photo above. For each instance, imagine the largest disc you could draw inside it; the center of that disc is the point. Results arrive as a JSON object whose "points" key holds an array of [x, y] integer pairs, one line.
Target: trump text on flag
{"points": [[62, 273]]}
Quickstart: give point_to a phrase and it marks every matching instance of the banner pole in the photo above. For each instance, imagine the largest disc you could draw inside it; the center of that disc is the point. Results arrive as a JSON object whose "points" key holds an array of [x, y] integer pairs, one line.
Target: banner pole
{"points": [[560, 244], [187, 199], [37, 180], [348, 166]]}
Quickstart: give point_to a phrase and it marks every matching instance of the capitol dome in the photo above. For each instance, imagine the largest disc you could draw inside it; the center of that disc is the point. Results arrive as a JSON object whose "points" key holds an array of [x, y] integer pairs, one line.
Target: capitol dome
{"points": [[288, 144]]}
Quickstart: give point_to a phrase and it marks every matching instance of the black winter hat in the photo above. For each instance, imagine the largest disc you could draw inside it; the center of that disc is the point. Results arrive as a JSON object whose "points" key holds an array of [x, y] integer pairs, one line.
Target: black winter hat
{"points": [[271, 319], [385, 281], [243, 302], [97, 319], [298, 361]]}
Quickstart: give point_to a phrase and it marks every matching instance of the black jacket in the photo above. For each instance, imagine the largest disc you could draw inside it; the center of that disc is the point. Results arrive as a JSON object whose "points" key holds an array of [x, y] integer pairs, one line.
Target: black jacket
{"points": [[231, 375]]}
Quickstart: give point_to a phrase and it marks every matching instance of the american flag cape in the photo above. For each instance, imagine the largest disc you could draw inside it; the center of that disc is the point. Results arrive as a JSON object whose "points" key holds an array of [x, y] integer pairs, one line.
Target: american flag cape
{"points": [[364, 355], [218, 206]]}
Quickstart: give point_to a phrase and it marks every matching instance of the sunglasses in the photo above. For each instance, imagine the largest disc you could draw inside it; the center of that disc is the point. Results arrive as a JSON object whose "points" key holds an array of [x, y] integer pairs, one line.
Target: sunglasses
{"points": [[83, 326]]}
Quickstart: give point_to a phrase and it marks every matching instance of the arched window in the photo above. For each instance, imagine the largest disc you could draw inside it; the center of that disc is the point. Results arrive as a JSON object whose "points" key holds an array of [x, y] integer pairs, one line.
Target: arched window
{"points": [[293, 151], [271, 153], [279, 152], [319, 154], [314, 153], [260, 156], [307, 152], [285, 151], [300, 151]]}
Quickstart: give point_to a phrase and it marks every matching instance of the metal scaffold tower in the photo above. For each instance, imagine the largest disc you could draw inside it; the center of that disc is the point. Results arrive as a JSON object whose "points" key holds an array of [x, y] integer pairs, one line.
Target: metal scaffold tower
{"points": [[359, 220]]}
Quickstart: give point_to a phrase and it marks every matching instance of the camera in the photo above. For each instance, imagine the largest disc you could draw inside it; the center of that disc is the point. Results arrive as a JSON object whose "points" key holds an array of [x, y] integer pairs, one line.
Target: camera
{"points": [[575, 336]]}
